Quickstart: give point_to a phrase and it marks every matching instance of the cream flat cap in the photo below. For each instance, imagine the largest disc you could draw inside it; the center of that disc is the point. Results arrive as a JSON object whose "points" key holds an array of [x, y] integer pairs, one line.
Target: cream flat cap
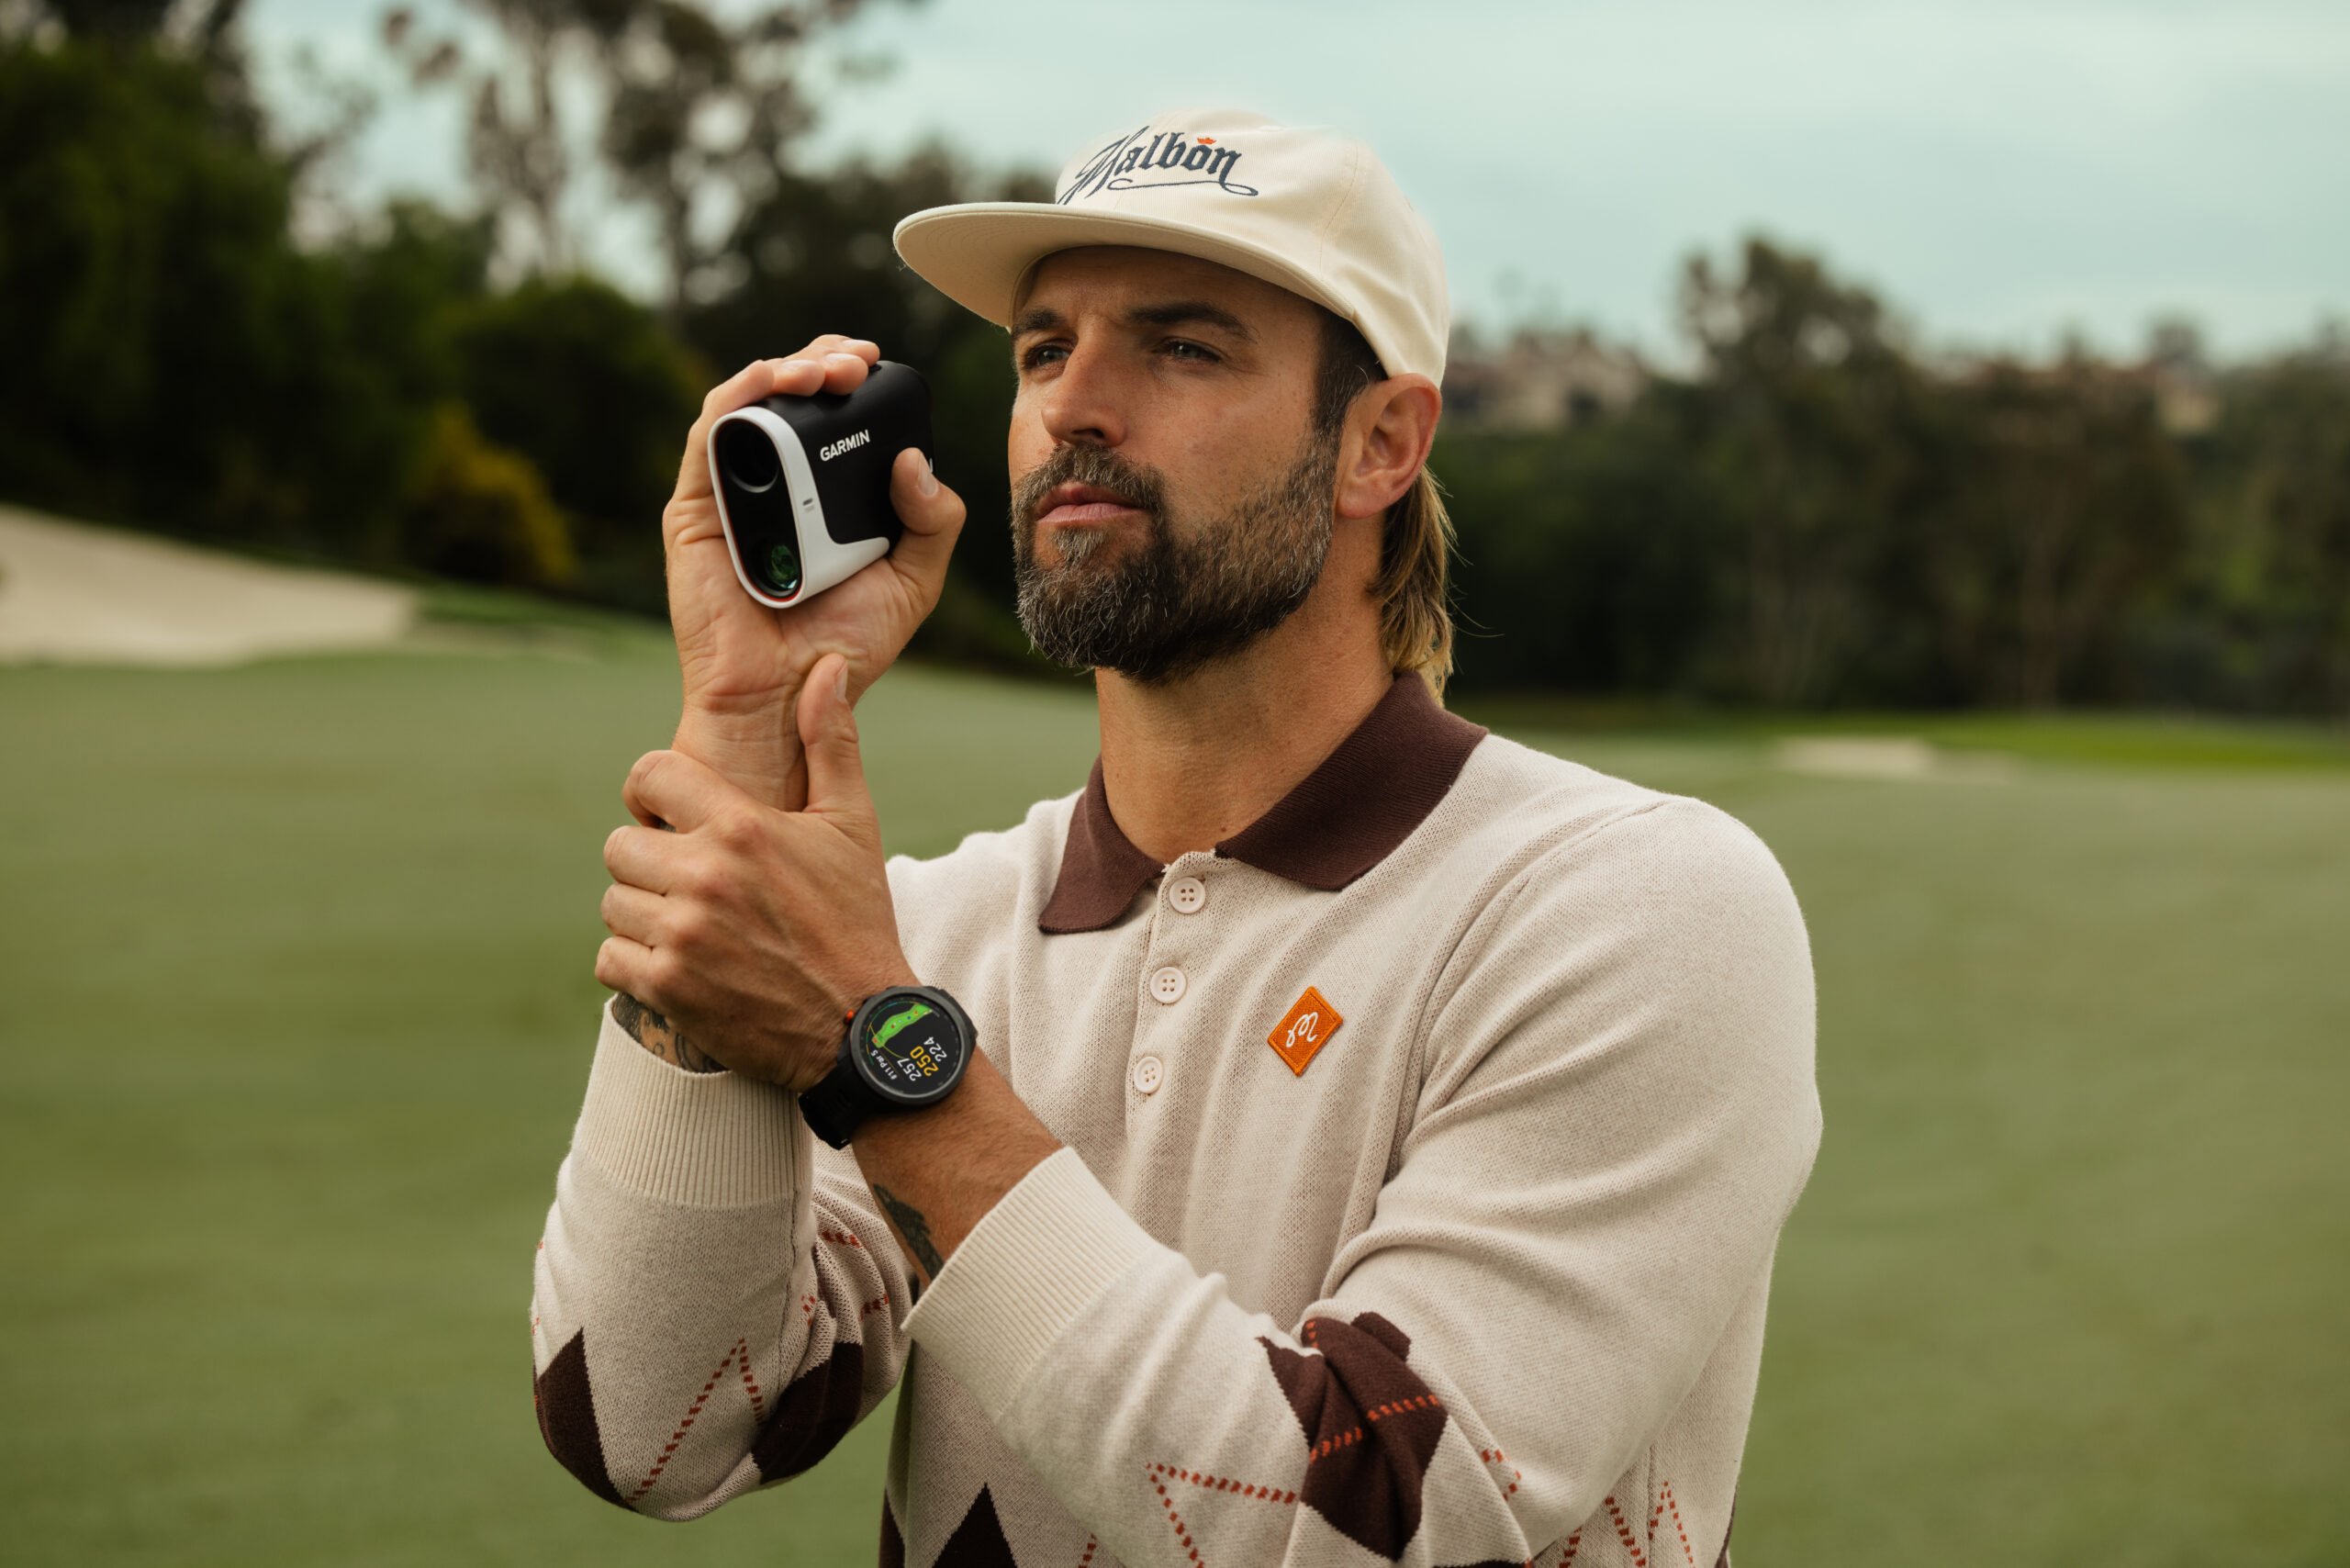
{"points": [[1300, 207]]}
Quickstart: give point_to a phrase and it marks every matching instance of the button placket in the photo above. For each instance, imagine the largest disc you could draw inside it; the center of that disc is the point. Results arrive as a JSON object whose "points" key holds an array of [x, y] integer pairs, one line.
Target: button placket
{"points": [[1181, 892]]}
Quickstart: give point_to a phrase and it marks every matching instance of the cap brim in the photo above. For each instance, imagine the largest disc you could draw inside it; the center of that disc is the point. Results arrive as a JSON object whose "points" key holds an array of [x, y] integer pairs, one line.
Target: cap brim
{"points": [[977, 252]]}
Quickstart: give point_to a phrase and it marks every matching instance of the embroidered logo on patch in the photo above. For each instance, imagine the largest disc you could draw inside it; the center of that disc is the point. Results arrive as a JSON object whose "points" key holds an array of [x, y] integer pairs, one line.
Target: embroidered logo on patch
{"points": [[1310, 1023]]}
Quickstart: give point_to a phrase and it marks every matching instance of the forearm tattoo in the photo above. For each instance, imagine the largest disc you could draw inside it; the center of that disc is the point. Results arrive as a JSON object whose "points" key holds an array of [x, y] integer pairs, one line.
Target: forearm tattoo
{"points": [[655, 1034], [913, 1227]]}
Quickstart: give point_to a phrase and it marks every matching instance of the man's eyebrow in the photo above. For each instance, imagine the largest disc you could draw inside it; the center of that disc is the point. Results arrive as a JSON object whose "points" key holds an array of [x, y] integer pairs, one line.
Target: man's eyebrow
{"points": [[1173, 313], [1035, 318], [1176, 313]]}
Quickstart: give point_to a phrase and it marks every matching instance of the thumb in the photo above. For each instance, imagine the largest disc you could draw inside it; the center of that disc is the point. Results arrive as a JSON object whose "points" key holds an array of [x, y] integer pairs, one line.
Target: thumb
{"points": [[934, 518], [828, 742]]}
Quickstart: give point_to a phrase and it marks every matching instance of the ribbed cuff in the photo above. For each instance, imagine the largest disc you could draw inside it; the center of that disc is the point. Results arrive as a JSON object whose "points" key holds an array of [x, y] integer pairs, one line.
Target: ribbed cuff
{"points": [[1031, 1266], [711, 1140]]}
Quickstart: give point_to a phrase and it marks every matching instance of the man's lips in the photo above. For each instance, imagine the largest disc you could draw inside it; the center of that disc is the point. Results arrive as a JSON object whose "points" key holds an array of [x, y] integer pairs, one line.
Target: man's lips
{"points": [[1083, 512], [1082, 503]]}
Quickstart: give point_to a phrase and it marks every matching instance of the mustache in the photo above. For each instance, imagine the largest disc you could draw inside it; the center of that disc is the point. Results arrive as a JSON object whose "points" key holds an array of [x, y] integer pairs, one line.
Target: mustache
{"points": [[1079, 464]]}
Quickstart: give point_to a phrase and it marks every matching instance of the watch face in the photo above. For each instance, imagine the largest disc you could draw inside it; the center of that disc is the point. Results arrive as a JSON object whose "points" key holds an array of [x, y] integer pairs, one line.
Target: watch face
{"points": [[911, 1049]]}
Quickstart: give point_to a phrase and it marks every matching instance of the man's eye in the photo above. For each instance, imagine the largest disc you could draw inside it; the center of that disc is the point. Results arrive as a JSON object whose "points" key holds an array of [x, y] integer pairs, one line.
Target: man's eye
{"points": [[1184, 349], [1035, 356]]}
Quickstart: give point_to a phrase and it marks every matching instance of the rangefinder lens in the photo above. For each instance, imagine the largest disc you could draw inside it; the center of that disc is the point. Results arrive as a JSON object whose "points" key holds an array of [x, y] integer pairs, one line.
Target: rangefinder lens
{"points": [[783, 568], [749, 459]]}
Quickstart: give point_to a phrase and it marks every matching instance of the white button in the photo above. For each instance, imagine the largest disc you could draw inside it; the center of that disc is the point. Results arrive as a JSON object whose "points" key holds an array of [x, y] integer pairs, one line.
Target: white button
{"points": [[1167, 986], [1188, 895], [1148, 1073]]}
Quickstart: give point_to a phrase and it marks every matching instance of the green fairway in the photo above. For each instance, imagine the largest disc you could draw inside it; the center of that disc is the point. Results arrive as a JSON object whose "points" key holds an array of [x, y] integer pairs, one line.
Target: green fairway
{"points": [[299, 1008]]}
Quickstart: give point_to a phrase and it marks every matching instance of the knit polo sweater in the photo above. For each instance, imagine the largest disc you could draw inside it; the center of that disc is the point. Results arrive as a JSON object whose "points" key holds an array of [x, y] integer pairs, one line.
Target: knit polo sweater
{"points": [[1428, 1148]]}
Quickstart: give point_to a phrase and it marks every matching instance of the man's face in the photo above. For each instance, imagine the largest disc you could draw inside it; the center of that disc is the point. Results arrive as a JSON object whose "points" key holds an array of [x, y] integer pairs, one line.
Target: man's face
{"points": [[1170, 501]]}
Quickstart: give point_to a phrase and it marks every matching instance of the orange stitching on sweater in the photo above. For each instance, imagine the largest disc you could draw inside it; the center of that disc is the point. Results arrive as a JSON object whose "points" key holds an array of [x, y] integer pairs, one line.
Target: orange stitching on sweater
{"points": [[1496, 1456], [1625, 1530], [1331, 1445], [1397, 1407], [1223, 1484], [876, 1304], [840, 1236], [751, 1386], [1661, 1507], [742, 1347], [1182, 1535], [1574, 1545], [1090, 1545]]}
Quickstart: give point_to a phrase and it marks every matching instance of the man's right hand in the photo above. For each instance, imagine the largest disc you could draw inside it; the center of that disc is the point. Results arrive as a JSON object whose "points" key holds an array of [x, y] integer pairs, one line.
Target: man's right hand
{"points": [[744, 663]]}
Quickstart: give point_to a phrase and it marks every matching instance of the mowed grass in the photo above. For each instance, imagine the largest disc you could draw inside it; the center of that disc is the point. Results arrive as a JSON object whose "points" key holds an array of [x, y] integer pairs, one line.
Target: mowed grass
{"points": [[298, 1011]]}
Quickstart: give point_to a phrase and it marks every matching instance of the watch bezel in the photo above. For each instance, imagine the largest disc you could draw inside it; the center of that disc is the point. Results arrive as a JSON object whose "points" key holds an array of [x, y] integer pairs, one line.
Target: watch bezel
{"points": [[889, 1095]]}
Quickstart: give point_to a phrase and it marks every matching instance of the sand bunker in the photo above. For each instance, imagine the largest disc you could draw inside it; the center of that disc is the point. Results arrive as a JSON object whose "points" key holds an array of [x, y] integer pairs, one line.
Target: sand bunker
{"points": [[70, 593], [1888, 756]]}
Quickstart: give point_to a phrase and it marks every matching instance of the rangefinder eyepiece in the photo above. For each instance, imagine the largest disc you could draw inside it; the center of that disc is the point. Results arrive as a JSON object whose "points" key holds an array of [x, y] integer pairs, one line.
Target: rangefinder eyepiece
{"points": [[803, 482]]}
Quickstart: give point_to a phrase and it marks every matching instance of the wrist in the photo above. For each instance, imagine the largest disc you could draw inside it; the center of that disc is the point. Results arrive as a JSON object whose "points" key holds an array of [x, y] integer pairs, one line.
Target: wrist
{"points": [[755, 748]]}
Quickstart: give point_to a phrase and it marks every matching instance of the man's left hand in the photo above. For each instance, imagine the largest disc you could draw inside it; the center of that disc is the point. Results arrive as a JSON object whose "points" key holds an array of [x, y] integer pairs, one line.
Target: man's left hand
{"points": [[755, 930]]}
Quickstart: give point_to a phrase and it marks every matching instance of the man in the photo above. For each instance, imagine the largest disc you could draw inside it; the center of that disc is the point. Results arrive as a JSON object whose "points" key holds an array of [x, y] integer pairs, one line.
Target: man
{"points": [[1378, 1132]]}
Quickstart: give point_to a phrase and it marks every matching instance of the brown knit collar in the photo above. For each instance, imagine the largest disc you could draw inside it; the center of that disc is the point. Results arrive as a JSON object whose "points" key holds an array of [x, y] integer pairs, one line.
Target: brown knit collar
{"points": [[1342, 819]]}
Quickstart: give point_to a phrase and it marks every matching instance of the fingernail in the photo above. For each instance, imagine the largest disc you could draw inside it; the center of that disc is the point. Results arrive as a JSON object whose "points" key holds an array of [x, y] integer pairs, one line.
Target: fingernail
{"points": [[840, 681], [928, 483]]}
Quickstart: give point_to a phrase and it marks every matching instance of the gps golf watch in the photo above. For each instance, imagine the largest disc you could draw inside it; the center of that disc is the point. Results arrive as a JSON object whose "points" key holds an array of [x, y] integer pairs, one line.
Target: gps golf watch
{"points": [[906, 1047]]}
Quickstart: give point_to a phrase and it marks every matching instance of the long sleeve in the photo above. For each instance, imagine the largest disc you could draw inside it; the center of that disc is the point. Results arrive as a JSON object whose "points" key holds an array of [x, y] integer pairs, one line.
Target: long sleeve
{"points": [[1617, 1112], [714, 1306]]}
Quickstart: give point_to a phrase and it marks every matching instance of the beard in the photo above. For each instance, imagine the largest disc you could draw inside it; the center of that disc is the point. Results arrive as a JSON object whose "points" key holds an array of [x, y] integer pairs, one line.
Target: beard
{"points": [[1162, 610]]}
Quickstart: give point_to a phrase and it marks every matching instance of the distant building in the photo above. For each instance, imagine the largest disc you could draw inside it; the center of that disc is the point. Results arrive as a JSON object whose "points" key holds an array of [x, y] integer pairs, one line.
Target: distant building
{"points": [[1539, 379], [2173, 378], [2177, 373]]}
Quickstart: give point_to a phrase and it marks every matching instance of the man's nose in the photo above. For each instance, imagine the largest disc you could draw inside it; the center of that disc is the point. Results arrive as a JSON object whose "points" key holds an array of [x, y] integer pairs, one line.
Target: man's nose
{"points": [[1085, 401]]}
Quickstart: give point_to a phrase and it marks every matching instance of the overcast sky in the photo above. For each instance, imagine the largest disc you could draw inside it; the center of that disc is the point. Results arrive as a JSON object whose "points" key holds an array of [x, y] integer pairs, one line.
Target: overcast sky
{"points": [[2002, 171]]}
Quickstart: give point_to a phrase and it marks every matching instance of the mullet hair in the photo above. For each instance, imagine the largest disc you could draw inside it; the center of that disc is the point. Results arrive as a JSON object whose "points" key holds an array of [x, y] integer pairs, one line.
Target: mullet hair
{"points": [[1416, 546]]}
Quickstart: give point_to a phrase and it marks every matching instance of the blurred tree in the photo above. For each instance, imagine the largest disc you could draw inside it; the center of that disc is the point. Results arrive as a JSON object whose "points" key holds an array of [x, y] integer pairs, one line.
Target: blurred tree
{"points": [[118, 19], [2072, 508], [482, 513], [515, 137], [1587, 556], [583, 383], [697, 114], [171, 354], [1807, 420], [2260, 614]]}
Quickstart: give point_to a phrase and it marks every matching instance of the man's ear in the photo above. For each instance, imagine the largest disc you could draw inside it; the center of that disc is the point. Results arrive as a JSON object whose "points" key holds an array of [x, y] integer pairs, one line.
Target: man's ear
{"points": [[1388, 432]]}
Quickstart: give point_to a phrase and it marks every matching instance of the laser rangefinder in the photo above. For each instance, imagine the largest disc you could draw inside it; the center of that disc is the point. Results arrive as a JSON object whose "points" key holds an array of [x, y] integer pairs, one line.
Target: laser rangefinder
{"points": [[803, 482]]}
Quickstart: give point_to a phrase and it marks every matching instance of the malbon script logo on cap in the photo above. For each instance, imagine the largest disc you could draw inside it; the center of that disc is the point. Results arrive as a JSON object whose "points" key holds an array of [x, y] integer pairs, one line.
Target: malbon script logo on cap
{"points": [[1169, 158]]}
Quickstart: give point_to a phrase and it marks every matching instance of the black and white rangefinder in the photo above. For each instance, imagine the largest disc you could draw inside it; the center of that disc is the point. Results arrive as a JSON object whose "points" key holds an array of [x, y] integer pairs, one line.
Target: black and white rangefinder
{"points": [[803, 482]]}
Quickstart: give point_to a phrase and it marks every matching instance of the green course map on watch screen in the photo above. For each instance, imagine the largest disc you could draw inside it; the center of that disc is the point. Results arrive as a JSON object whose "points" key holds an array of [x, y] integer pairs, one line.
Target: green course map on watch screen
{"points": [[891, 1026]]}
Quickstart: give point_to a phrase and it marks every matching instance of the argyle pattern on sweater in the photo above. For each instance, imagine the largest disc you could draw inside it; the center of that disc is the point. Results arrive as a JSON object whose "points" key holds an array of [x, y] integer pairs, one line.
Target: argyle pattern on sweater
{"points": [[1484, 1282]]}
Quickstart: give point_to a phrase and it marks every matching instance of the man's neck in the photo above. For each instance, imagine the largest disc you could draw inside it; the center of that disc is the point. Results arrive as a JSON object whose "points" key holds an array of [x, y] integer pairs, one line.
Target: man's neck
{"points": [[1188, 763]]}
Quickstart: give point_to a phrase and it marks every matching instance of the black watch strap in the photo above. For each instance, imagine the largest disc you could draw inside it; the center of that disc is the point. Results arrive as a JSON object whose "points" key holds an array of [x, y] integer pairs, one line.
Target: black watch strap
{"points": [[836, 1106]]}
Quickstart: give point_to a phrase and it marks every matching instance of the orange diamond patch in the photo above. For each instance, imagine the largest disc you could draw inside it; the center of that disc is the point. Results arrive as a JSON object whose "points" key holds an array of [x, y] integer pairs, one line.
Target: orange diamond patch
{"points": [[1307, 1028]]}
